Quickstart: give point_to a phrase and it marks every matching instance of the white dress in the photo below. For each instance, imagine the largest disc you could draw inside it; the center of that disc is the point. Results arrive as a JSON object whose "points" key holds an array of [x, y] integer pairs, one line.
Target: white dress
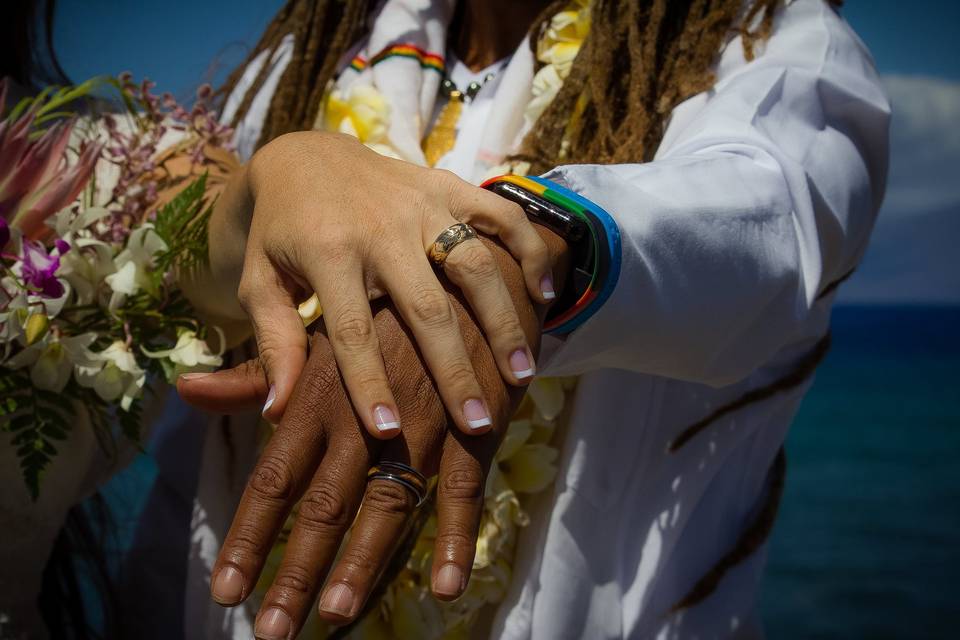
{"points": [[762, 194]]}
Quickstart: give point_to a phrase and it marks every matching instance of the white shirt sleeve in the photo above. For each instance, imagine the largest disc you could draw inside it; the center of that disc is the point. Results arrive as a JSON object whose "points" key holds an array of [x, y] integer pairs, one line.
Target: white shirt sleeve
{"points": [[763, 193]]}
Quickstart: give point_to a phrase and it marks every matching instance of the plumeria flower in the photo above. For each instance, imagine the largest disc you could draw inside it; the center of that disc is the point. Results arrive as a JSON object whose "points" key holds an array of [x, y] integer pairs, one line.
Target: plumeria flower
{"points": [[189, 355], [361, 111], [114, 374], [526, 467], [52, 359], [134, 264], [546, 85]]}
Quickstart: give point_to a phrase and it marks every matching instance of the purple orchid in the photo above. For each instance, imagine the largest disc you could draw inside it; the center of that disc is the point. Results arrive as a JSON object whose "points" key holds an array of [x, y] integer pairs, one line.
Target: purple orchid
{"points": [[4, 233], [38, 268]]}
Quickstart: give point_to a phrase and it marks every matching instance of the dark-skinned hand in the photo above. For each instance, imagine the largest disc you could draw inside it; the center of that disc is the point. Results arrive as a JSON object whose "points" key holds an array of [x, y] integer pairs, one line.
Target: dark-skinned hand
{"points": [[320, 455]]}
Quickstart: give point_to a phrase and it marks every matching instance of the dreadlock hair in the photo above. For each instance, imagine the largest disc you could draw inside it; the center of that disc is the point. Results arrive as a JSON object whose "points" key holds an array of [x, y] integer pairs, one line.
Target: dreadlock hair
{"points": [[323, 30], [640, 59]]}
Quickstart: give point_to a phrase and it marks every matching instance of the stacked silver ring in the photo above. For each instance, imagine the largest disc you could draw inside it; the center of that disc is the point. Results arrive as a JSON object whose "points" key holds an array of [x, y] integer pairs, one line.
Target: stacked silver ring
{"points": [[402, 474]]}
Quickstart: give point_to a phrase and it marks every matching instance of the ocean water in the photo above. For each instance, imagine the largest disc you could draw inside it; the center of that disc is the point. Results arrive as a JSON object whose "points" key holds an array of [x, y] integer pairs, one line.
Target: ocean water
{"points": [[867, 544]]}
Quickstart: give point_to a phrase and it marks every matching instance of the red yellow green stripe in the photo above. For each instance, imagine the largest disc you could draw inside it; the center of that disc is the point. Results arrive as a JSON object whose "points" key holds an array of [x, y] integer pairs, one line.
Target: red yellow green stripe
{"points": [[426, 59]]}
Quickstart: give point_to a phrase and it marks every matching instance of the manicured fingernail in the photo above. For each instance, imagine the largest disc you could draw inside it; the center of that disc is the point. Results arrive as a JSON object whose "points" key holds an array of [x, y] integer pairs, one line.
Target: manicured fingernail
{"points": [[384, 419], [520, 364], [546, 287], [338, 600], [273, 625], [476, 414], [449, 580], [271, 398], [194, 376], [227, 586]]}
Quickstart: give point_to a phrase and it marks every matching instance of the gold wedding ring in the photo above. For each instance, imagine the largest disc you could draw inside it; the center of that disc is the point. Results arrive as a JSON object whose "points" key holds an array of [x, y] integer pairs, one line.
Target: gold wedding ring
{"points": [[448, 239]]}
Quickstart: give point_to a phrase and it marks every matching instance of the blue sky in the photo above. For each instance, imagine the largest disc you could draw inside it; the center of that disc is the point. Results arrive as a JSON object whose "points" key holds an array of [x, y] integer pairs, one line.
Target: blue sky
{"points": [[181, 44]]}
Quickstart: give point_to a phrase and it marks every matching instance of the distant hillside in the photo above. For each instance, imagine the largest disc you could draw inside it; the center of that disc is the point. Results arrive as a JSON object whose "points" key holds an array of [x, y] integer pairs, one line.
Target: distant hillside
{"points": [[912, 258]]}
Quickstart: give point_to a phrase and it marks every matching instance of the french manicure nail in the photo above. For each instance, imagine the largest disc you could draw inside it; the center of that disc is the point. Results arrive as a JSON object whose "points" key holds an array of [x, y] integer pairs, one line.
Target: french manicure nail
{"points": [[546, 287], [449, 581], [271, 398], [338, 600], [273, 625], [520, 364], [194, 376], [476, 414], [227, 587], [384, 419]]}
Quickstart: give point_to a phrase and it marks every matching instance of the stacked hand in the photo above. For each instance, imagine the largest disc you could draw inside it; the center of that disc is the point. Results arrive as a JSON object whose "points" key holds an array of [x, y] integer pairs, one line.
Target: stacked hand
{"points": [[320, 213], [320, 455]]}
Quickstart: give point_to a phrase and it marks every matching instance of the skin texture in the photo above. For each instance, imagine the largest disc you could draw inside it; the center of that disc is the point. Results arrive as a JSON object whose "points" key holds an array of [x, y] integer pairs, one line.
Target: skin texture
{"points": [[320, 455], [325, 214]]}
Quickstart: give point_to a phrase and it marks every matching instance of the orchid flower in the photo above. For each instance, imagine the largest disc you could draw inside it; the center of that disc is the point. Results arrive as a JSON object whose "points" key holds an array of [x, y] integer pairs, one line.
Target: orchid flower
{"points": [[115, 374], [38, 268], [189, 355], [52, 359]]}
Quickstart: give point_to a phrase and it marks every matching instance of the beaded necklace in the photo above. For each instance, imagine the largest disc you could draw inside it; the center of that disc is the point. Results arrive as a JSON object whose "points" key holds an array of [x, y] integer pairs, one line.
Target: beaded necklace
{"points": [[444, 133]]}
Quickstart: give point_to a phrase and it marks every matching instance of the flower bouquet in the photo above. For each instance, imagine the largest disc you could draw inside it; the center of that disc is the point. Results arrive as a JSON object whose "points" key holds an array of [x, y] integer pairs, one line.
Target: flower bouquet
{"points": [[94, 233]]}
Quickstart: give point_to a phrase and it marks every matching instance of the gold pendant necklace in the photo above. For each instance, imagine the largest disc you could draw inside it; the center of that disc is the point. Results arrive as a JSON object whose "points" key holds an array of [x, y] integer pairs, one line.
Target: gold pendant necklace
{"points": [[444, 133]]}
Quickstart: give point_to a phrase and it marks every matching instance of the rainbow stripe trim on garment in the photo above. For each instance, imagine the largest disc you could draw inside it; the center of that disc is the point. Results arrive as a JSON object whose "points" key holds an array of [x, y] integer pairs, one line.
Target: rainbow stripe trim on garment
{"points": [[426, 59], [606, 239]]}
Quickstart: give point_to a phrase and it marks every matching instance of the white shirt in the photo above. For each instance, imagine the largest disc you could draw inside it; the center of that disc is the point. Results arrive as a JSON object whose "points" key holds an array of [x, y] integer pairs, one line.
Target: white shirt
{"points": [[763, 192], [461, 159]]}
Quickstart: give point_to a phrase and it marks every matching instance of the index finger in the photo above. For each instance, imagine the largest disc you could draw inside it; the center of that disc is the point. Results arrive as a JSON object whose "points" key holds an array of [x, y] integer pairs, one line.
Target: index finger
{"points": [[278, 479]]}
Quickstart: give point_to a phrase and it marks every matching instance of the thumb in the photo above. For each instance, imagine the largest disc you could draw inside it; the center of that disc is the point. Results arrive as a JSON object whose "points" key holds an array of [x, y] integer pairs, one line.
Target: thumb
{"points": [[281, 339], [241, 388]]}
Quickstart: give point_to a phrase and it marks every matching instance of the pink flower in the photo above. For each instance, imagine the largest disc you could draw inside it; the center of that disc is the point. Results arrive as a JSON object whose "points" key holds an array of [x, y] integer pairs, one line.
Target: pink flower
{"points": [[36, 178]]}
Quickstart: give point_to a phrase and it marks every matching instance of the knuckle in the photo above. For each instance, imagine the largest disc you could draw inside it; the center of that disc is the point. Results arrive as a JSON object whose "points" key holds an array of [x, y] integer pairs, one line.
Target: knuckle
{"points": [[462, 485], [323, 507], [431, 307], [272, 480], [446, 179], [245, 541], [353, 328], [539, 253], [456, 537], [356, 562], [515, 214], [459, 375], [504, 322], [475, 262], [294, 578], [388, 498]]}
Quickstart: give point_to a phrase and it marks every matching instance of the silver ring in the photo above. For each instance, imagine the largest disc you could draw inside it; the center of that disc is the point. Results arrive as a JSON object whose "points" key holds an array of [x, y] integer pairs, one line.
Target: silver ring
{"points": [[402, 474], [448, 239]]}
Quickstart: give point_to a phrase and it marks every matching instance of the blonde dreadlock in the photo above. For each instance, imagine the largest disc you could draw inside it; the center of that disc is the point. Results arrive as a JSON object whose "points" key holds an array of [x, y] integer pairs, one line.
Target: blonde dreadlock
{"points": [[640, 60]]}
